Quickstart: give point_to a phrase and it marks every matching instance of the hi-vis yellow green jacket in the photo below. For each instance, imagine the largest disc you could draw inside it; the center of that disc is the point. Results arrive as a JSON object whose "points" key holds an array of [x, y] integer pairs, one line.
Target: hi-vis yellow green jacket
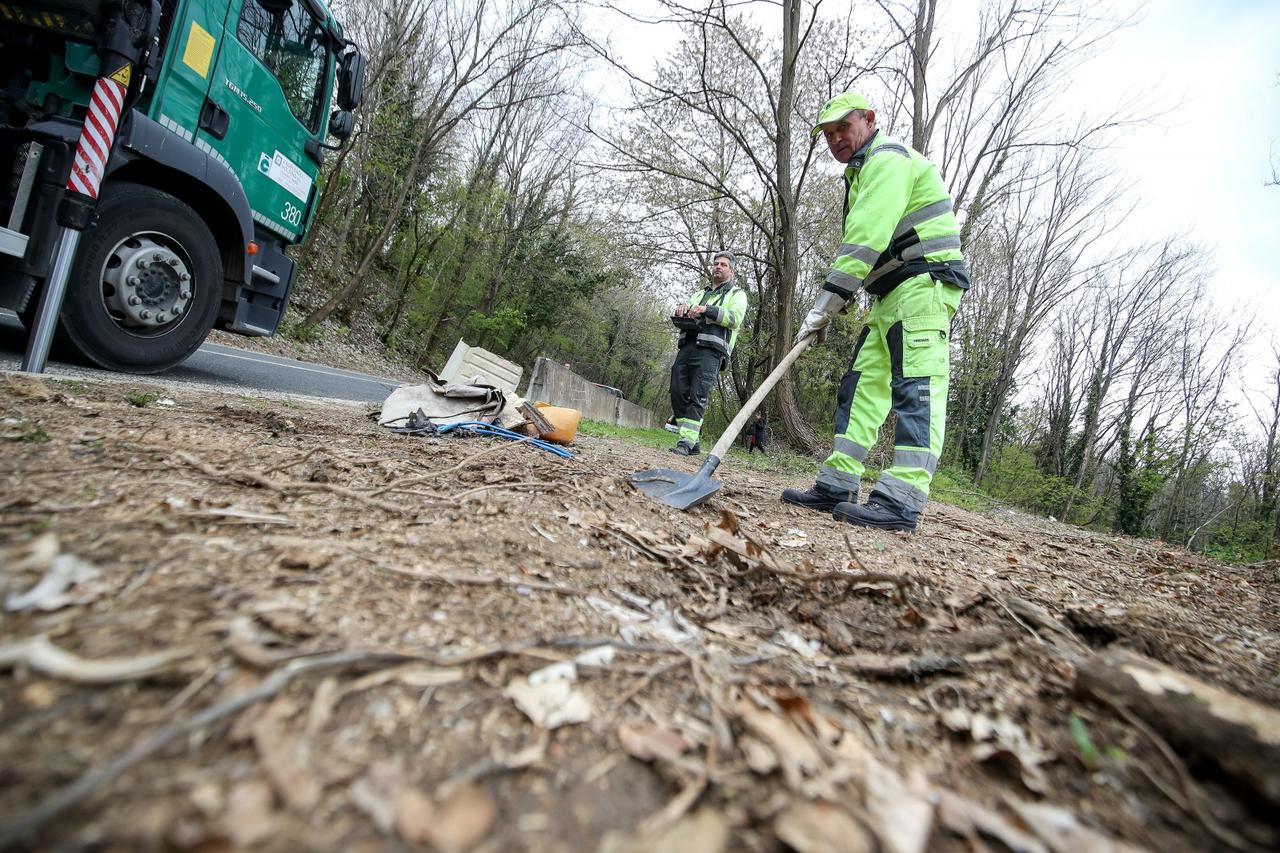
{"points": [[898, 223], [726, 309]]}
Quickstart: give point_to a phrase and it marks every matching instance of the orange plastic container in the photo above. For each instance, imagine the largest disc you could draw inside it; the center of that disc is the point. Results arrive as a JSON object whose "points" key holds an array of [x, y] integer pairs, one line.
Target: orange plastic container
{"points": [[564, 420]]}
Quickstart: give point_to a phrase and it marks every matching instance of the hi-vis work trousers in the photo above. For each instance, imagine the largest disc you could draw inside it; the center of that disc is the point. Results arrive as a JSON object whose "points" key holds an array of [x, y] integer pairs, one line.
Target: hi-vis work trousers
{"points": [[902, 361], [692, 377]]}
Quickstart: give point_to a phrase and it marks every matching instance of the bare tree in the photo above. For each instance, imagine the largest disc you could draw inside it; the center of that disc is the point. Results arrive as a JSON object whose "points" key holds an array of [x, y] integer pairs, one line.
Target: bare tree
{"points": [[463, 56], [1061, 395], [1131, 314], [1265, 478], [1205, 357], [1274, 180], [976, 110], [1035, 257], [539, 182]]}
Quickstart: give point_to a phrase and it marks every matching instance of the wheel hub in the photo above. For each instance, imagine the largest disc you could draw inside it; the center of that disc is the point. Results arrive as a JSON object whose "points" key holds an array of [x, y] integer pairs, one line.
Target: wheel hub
{"points": [[146, 284]]}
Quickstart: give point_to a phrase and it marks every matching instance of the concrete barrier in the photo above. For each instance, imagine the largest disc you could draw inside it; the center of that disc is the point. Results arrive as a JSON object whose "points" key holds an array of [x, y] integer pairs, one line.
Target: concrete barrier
{"points": [[629, 414], [556, 384]]}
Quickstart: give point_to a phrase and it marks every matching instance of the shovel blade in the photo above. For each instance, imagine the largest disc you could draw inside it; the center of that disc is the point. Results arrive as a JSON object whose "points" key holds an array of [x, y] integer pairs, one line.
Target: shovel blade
{"points": [[676, 488]]}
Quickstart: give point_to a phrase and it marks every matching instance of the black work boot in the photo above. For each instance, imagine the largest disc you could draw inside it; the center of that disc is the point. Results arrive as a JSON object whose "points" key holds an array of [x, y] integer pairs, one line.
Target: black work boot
{"points": [[684, 448], [815, 498], [874, 514]]}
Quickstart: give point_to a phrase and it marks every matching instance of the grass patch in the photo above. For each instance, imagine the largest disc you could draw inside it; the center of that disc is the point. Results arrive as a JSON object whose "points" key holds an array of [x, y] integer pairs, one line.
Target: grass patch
{"points": [[954, 486], [75, 386], [141, 399], [1089, 754], [777, 460], [34, 434], [306, 333], [658, 438]]}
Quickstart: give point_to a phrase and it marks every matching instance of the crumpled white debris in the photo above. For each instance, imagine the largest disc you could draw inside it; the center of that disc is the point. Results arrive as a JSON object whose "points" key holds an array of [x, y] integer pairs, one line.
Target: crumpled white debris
{"points": [[656, 621]]}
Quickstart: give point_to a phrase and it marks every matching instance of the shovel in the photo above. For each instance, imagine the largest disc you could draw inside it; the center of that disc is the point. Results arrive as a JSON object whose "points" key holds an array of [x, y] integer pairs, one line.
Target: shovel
{"points": [[681, 490]]}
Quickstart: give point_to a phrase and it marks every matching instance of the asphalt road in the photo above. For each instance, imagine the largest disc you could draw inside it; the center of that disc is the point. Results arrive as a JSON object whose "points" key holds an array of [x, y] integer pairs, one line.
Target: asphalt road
{"points": [[224, 369]]}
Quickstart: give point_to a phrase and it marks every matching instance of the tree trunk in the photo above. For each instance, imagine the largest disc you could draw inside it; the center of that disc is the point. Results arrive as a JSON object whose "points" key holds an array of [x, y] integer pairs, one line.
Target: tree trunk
{"points": [[794, 424], [319, 315], [992, 425], [921, 38]]}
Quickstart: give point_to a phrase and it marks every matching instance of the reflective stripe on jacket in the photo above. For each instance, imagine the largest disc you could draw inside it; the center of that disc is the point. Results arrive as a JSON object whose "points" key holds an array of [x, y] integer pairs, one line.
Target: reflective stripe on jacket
{"points": [[726, 309], [898, 222]]}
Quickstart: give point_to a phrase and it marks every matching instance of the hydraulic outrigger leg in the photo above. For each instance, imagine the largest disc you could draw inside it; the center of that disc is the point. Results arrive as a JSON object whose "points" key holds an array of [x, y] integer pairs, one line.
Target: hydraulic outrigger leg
{"points": [[120, 53]]}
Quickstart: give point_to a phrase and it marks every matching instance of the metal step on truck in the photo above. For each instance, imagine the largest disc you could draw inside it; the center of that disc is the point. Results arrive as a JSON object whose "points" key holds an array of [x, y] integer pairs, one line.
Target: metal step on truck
{"points": [[158, 158]]}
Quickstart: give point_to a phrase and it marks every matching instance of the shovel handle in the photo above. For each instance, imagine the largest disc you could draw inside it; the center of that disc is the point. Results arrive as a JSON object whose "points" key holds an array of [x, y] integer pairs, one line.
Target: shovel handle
{"points": [[736, 425]]}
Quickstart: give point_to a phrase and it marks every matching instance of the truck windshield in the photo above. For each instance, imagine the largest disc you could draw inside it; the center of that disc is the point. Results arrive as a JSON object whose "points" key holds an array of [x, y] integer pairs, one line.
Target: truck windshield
{"points": [[291, 44]]}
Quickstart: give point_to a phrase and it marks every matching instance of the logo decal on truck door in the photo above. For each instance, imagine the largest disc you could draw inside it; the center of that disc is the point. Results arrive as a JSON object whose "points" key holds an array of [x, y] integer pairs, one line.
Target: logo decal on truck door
{"points": [[286, 173]]}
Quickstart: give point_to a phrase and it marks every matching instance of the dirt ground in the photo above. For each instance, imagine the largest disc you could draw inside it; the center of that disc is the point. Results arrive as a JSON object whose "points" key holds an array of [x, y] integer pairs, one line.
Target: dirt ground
{"points": [[288, 629]]}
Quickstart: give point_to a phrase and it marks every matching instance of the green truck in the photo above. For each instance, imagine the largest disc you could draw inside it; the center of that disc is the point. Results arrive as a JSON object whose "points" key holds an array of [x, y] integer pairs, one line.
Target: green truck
{"points": [[209, 179]]}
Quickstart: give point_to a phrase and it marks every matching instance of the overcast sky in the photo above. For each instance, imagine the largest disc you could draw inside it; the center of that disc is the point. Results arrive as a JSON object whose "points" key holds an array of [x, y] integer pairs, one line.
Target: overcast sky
{"points": [[1202, 170]]}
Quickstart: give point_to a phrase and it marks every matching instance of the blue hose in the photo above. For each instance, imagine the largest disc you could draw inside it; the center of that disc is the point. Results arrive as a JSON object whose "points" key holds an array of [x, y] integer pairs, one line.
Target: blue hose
{"points": [[481, 428]]}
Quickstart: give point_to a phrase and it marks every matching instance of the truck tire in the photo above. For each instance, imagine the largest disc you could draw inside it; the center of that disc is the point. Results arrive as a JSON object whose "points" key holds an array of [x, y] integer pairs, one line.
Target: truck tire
{"points": [[146, 283]]}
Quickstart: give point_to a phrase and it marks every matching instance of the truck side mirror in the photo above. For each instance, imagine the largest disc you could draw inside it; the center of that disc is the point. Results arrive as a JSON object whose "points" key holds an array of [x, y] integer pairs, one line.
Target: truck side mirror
{"points": [[341, 124], [351, 80]]}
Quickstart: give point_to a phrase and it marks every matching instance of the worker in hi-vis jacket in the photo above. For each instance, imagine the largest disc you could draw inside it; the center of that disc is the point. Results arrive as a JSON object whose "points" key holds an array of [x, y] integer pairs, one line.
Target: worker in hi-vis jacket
{"points": [[709, 326], [901, 243]]}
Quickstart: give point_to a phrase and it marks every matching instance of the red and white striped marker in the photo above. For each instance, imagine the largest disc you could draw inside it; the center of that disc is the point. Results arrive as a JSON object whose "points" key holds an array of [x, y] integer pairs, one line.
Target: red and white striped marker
{"points": [[87, 169], [99, 131]]}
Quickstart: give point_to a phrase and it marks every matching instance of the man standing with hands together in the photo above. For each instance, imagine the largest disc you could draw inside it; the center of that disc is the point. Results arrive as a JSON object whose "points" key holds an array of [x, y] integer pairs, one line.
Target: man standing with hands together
{"points": [[902, 243], [708, 327]]}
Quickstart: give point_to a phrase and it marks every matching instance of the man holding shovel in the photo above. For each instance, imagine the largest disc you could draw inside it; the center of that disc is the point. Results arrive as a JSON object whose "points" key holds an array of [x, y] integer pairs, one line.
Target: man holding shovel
{"points": [[708, 327], [902, 243]]}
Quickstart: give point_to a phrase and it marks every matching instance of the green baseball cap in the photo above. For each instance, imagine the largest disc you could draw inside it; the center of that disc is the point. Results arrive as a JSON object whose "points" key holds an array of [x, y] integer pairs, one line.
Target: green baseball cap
{"points": [[839, 107]]}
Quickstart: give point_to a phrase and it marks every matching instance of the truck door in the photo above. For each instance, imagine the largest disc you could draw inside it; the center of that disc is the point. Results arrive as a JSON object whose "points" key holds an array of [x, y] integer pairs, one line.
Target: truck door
{"points": [[266, 108], [193, 38]]}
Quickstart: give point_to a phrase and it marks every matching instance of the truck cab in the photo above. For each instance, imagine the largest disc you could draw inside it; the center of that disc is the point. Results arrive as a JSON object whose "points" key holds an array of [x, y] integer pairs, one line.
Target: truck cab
{"points": [[211, 177]]}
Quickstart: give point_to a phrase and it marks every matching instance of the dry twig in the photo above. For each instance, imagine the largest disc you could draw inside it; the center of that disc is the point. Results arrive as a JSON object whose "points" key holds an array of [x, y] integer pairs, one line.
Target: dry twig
{"points": [[284, 466], [285, 487], [458, 498], [424, 478], [900, 667], [853, 555], [854, 580], [43, 656], [485, 580], [645, 681], [153, 743]]}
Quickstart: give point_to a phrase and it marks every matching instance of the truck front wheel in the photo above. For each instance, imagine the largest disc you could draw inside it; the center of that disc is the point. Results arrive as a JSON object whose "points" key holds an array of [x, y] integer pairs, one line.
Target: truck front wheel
{"points": [[145, 287]]}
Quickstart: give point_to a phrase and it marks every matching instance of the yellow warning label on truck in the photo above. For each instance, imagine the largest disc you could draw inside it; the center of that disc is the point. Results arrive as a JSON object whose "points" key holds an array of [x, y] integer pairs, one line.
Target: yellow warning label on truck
{"points": [[199, 50], [122, 76]]}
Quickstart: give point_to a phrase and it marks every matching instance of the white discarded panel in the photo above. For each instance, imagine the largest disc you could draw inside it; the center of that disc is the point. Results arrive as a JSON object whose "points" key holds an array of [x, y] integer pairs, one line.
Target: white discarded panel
{"points": [[469, 364]]}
